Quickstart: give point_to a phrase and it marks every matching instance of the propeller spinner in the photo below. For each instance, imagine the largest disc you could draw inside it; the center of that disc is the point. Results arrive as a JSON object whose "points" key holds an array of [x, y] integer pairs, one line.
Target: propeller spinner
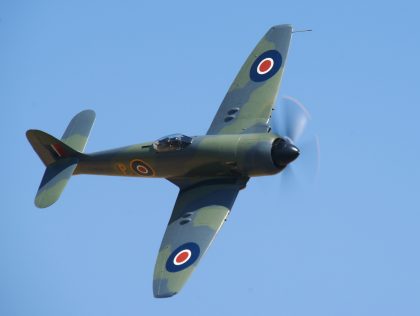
{"points": [[283, 152]]}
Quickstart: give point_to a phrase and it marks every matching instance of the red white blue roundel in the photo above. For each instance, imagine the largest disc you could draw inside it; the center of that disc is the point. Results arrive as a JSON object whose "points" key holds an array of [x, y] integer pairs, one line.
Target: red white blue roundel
{"points": [[141, 168], [182, 257], [265, 66]]}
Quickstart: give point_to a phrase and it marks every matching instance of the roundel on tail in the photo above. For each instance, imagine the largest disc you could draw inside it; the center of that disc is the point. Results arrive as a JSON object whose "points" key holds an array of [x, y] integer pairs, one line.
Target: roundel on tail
{"points": [[265, 66], [182, 257]]}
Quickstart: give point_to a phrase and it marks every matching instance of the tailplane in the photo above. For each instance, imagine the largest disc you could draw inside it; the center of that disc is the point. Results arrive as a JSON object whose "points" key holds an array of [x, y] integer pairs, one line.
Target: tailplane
{"points": [[60, 156]]}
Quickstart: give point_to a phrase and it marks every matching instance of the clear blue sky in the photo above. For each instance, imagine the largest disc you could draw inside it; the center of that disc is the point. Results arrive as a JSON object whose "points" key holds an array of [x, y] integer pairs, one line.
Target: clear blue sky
{"points": [[348, 246]]}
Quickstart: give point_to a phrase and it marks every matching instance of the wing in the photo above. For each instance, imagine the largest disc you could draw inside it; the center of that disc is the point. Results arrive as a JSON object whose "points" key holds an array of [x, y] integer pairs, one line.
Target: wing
{"points": [[199, 213], [249, 102]]}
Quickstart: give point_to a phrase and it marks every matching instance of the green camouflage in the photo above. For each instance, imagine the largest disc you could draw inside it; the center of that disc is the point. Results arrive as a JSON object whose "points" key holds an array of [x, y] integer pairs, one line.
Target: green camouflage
{"points": [[54, 181], [255, 100], [209, 170], [60, 157], [199, 213], [78, 130], [207, 156]]}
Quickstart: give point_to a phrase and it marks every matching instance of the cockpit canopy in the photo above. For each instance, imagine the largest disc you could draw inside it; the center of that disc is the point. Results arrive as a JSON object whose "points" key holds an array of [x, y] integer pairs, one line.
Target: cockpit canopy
{"points": [[172, 142]]}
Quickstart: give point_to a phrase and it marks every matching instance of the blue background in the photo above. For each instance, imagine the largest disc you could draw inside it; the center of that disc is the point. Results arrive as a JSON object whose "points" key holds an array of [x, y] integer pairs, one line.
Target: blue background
{"points": [[347, 245]]}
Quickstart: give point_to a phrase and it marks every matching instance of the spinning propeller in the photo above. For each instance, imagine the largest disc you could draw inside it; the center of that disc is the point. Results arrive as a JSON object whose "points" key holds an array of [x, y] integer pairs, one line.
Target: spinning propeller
{"points": [[297, 139]]}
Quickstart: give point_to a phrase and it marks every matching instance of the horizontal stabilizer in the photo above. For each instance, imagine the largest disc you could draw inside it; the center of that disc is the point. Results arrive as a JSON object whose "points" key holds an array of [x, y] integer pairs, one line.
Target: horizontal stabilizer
{"points": [[60, 156], [78, 130], [54, 181]]}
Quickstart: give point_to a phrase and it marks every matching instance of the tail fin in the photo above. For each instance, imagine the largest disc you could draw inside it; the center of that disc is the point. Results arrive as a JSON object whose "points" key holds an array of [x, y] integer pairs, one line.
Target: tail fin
{"points": [[60, 156]]}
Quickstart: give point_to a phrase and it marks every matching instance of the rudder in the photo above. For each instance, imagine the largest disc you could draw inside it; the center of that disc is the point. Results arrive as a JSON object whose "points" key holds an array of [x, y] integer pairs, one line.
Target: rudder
{"points": [[49, 148]]}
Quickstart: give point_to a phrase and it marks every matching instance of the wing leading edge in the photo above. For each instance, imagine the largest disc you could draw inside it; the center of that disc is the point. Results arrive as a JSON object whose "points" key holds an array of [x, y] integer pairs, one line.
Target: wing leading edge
{"points": [[199, 213], [248, 104]]}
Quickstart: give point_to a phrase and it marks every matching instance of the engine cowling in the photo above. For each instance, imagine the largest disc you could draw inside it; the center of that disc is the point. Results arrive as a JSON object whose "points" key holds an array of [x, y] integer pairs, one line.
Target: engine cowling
{"points": [[264, 154]]}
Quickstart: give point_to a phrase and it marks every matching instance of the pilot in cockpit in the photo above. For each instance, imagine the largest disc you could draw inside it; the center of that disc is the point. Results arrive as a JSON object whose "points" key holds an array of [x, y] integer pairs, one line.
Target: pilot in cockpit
{"points": [[172, 142]]}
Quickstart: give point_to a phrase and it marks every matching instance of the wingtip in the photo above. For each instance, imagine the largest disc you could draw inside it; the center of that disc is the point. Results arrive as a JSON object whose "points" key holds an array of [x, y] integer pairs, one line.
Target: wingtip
{"points": [[88, 114], [164, 294], [282, 26]]}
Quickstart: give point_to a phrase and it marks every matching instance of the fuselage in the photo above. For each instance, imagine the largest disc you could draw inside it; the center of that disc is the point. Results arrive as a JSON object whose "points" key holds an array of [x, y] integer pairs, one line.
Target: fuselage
{"points": [[210, 155]]}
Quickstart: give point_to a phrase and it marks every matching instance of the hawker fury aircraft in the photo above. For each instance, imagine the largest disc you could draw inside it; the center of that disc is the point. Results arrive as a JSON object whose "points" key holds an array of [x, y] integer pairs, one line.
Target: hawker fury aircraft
{"points": [[209, 169]]}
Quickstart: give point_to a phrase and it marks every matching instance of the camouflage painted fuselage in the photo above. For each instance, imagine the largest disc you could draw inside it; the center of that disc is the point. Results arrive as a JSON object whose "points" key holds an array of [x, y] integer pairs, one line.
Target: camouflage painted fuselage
{"points": [[209, 170], [212, 155]]}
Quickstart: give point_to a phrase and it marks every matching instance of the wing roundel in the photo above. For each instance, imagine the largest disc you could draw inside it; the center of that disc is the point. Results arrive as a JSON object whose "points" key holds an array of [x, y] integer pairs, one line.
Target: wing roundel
{"points": [[249, 102], [199, 213]]}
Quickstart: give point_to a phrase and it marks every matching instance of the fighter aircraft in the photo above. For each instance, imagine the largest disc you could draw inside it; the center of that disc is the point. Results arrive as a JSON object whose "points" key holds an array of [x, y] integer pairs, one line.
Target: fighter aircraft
{"points": [[209, 170]]}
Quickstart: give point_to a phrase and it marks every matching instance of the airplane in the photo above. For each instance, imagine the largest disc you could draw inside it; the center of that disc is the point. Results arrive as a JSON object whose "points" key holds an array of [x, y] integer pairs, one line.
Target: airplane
{"points": [[209, 170]]}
